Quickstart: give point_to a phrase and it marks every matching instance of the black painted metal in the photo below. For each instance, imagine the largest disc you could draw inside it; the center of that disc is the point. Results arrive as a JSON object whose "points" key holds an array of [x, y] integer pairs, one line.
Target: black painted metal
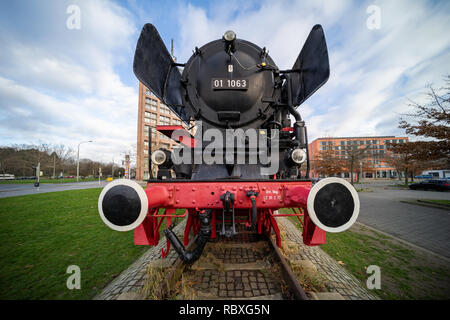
{"points": [[312, 68], [121, 205], [252, 194], [154, 67], [189, 257], [240, 107], [228, 207], [256, 96], [334, 205]]}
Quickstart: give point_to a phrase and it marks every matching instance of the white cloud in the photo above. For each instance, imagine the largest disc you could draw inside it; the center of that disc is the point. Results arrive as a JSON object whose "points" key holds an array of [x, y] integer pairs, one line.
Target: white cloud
{"points": [[371, 70], [64, 88]]}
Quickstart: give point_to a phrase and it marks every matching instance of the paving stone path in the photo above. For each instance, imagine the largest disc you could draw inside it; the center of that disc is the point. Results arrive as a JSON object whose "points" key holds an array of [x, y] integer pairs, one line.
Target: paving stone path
{"points": [[243, 284], [133, 279], [338, 278]]}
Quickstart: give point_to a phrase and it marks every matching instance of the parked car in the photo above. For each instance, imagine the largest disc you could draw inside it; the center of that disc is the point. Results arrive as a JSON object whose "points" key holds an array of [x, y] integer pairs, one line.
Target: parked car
{"points": [[438, 185], [7, 176]]}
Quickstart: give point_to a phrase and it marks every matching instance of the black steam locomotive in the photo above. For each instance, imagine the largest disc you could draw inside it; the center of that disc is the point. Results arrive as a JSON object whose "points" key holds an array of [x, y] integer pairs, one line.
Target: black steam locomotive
{"points": [[233, 83], [229, 85]]}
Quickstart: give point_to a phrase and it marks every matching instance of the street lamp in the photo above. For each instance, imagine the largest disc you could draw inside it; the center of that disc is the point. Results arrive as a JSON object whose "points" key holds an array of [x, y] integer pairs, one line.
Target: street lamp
{"points": [[360, 169], [78, 159]]}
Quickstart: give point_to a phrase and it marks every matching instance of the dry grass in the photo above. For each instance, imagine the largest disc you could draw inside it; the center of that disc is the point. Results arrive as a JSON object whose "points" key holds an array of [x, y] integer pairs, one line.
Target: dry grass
{"points": [[184, 289], [310, 281], [155, 279], [209, 258]]}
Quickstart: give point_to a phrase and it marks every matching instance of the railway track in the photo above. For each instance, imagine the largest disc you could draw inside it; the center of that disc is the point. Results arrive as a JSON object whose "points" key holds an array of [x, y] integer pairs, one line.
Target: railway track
{"points": [[248, 266]]}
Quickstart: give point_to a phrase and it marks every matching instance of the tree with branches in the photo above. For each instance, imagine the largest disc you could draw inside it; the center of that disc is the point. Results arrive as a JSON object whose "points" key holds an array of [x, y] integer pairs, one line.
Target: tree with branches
{"points": [[354, 155], [431, 122], [327, 164]]}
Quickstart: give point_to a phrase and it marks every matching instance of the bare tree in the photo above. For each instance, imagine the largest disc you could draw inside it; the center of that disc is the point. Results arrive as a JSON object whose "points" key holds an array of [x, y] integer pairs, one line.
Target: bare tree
{"points": [[431, 122]]}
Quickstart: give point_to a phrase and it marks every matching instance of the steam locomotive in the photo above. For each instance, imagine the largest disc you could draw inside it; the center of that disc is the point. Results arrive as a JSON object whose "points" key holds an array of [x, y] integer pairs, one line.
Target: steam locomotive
{"points": [[230, 86]]}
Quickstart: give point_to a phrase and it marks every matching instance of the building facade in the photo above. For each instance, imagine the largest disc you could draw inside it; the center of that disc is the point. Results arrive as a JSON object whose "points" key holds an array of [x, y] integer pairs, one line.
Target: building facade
{"points": [[151, 112], [371, 165]]}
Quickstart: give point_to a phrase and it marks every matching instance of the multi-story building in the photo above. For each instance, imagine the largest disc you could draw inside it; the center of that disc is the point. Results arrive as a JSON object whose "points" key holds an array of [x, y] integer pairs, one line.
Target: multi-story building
{"points": [[372, 164], [151, 112]]}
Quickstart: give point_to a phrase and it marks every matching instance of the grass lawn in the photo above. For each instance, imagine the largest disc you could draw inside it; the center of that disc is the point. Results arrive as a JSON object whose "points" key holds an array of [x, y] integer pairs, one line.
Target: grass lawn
{"points": [[42, 234], [64, 180], [444, 202], [406, 273]]}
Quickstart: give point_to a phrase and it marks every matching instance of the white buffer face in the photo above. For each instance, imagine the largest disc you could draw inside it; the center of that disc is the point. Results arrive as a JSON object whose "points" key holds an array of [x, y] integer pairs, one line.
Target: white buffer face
{"points": [[333, 204], [123, 205]]}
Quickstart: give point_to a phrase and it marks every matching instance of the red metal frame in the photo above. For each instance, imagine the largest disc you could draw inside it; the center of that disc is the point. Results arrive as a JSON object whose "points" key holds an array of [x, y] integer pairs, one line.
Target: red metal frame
{"points": [[194, 196], [179, 134]]}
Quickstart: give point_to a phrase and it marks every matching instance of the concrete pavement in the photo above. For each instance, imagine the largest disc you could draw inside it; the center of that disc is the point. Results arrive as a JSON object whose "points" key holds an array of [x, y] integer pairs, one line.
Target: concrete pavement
{"points": [[425, 227]]}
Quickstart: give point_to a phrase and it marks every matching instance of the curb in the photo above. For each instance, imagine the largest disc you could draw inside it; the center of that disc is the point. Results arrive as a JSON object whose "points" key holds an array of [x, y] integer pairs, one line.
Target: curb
{"points": [[427, 204]]}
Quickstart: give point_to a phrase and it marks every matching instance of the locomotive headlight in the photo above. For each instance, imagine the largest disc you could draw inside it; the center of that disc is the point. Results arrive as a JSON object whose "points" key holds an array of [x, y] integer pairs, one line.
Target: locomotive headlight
{"points": [[158, 157], [298, 156], [229, 35]]}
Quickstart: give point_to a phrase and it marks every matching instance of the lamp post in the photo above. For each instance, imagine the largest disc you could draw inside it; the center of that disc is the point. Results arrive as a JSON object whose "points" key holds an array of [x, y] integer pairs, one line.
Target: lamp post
{"points": [[360, 169], [78, 159]]}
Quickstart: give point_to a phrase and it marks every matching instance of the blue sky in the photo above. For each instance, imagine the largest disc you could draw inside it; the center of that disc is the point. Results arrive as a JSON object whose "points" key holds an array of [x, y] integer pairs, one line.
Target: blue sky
{"points": [[63, 86]]}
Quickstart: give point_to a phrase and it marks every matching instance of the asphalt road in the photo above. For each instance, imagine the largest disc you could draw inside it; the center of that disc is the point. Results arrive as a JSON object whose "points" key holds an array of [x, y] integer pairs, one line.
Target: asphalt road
{"points": [[11, 190], [425, 227]]}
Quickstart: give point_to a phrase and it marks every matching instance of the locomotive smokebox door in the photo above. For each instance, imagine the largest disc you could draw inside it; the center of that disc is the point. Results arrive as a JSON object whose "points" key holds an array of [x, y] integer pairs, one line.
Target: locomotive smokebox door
{"points": [[226, 84]]}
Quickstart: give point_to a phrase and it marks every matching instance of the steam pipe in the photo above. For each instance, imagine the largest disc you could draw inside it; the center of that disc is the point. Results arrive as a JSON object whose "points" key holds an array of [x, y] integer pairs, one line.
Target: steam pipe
{"points": [[299, 125], [189, 257]]}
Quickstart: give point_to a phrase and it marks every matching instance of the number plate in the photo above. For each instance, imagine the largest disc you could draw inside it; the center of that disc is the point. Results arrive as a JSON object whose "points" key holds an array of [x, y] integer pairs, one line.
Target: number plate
{"points": [[229, 84]]}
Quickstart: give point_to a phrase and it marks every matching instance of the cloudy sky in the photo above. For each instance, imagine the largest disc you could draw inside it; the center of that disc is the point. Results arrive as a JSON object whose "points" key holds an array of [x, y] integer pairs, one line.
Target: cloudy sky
{"points": [[61, 85]]}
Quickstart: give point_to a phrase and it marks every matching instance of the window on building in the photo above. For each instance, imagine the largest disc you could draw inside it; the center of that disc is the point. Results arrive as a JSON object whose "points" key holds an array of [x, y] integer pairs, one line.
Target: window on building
{"points": [[164, 120], [164, 109]]}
